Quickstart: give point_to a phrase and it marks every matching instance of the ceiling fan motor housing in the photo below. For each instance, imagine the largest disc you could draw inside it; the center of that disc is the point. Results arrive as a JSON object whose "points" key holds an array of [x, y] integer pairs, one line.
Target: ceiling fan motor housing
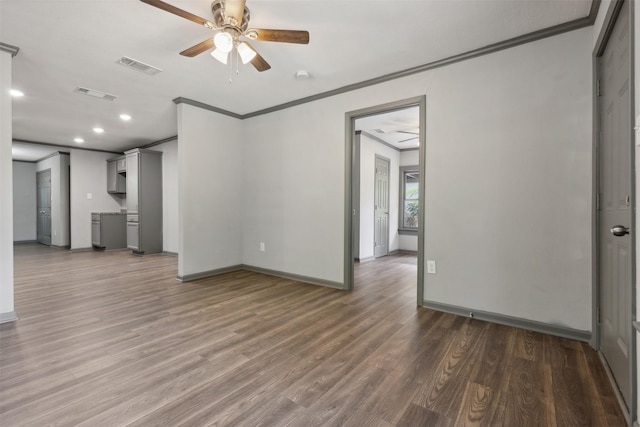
{"points": [[221, 20]]}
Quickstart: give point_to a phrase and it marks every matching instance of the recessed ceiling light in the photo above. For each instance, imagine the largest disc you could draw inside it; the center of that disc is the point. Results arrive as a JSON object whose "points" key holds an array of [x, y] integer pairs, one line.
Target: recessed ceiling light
{"points": [[78, 140], [98, 130], [16, 93], [125, 117]]}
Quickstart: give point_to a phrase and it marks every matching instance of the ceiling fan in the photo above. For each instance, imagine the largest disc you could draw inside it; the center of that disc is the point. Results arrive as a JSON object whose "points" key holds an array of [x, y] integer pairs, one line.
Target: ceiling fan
{"points": [[410, 133], [230, 21]]}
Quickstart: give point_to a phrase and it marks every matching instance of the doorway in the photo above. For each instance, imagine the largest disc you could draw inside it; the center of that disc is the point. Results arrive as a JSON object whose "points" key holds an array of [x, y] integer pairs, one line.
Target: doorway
{"points": [[43, 206], [353, 148], [615, 236]]}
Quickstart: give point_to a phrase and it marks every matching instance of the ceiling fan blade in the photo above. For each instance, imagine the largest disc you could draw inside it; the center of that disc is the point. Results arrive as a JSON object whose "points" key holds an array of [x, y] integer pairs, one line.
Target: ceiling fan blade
{"points": [[285, 36], [234, 9], [405, 140], [198, 49], [406, 131], [177, 11], [258, 61]]}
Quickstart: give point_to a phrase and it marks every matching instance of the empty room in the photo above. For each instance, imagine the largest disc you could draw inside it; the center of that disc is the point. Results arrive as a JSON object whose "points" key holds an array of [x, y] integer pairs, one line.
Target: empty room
{"points": [[231, 212]]}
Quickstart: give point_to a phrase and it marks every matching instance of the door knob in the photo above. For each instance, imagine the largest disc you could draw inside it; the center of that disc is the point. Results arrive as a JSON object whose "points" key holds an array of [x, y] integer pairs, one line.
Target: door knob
{"points": [[619, 230]]}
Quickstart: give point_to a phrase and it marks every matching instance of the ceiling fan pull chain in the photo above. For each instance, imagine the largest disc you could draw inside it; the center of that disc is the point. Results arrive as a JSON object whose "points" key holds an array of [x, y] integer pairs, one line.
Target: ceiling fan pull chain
{"points": [[237, 62]]}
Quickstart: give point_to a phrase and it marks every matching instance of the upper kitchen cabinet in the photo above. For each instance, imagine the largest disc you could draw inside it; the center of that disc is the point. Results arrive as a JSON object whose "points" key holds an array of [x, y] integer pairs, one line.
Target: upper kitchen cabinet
{"points": [[144, 201], [116, 175], [121, 163]]}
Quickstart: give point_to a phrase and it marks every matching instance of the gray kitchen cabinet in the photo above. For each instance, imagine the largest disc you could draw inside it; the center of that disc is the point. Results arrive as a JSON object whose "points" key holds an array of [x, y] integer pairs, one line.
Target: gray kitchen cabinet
{"points": [[121, 164], [144, 201], [108, 230], [116, 181]]}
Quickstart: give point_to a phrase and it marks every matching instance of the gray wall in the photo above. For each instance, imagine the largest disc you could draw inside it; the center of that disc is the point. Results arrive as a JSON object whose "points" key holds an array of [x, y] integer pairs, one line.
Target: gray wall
{"points": [[6, 188], [24, 201], [169, 195]]}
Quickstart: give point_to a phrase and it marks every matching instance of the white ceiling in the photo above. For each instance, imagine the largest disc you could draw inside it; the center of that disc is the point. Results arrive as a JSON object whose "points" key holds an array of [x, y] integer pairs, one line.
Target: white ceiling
{"points": [[69, 43], [398, 128]]}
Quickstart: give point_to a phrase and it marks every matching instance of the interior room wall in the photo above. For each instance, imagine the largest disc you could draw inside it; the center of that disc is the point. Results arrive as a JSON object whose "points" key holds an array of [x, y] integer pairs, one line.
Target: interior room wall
{"points": [[407, 242], [369, 148], [169, 195], [504, 131], [89, 194], [7, 312], [294, 190], [210, 171], [59, 165], [24, 201]]}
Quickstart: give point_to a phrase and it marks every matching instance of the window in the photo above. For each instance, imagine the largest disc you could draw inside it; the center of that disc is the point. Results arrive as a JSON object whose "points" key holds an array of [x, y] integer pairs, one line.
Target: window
{"points": [[409, 193]]}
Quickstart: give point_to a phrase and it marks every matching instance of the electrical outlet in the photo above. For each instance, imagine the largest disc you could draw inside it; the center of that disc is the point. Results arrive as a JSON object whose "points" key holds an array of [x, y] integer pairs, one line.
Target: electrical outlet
{"points": [[89, 196], [431, 267], [262, 248]]}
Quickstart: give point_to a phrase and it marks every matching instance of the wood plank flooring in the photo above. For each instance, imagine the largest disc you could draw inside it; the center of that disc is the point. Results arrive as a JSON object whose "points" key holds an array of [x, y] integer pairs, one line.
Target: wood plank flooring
{"points": [[111, 339]]}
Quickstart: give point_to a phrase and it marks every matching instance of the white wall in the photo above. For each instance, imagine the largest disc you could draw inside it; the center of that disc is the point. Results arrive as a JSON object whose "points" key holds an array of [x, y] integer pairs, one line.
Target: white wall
{"points": [[6, 188], [89, 177], [60, 215], [369, 148], [508, 148], [509, 182], [294, 190], [24, 201], [169, 195], [409, 242], [209, 191]]}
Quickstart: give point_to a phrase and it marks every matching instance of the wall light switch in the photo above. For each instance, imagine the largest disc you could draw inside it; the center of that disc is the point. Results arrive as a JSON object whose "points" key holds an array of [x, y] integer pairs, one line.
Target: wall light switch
{"points": [[431, 267], [262, 249]]}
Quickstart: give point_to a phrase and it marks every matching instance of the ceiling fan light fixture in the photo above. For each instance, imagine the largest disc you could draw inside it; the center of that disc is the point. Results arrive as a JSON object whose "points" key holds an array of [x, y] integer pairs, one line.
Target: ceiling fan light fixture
{"points": [[220, 55], [223, 41], [246, 53]]}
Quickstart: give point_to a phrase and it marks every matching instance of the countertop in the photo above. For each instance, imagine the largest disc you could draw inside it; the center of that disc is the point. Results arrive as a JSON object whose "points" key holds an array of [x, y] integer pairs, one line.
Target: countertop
{"points": [[108, 213]]}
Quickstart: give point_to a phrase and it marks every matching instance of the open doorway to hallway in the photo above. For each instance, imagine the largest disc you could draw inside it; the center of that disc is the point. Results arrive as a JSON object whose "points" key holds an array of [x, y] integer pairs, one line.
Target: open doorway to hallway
{"points": [[385, 150]]}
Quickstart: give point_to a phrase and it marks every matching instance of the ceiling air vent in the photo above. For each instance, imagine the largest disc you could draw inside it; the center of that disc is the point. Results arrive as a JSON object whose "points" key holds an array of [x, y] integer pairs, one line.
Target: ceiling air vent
{"points": [[139, 66], [95, 93]]}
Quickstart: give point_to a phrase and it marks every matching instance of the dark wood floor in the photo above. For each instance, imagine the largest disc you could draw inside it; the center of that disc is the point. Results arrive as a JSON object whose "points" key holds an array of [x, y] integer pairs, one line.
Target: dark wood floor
{"points": [[111, 339]]}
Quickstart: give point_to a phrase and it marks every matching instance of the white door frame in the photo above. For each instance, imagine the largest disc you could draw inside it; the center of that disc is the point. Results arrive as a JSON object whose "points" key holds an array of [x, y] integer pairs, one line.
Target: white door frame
{"points": [[351, 210], [609, 21]]}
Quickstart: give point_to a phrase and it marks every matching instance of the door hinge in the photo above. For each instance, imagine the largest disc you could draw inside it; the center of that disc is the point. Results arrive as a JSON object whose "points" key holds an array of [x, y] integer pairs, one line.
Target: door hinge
{"points": [[627, 201], [597, 201], [598, 315], [598, 89]]}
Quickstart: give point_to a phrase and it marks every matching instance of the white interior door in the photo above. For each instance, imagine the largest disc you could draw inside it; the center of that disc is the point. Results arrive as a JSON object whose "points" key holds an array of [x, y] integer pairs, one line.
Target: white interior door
{"points": [[381, 206], [615, 207]]}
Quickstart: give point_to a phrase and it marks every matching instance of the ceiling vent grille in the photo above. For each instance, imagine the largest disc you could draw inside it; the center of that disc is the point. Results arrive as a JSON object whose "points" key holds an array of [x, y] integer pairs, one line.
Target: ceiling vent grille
{"points": [[139, 66], [95, 93]]}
